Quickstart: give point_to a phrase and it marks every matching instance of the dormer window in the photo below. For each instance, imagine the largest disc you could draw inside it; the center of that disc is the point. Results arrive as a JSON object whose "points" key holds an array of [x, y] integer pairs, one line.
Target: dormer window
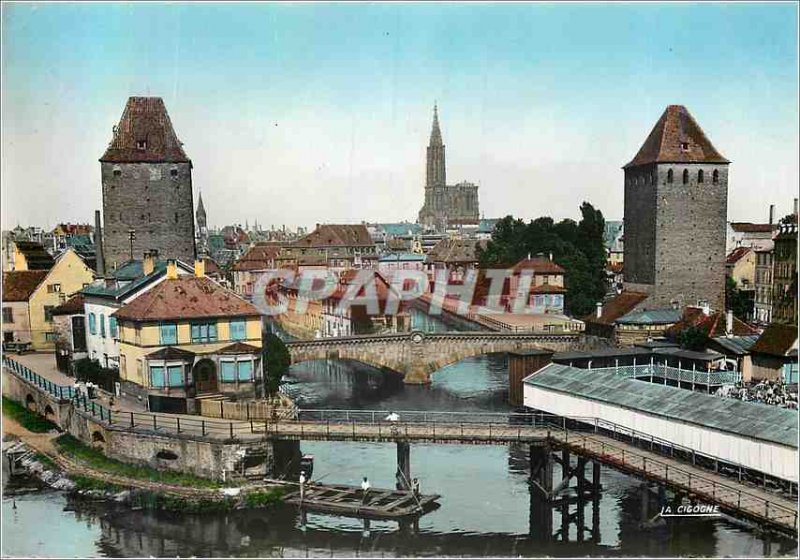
{"points": [[684, 146], [117, 172], [141, 144]]}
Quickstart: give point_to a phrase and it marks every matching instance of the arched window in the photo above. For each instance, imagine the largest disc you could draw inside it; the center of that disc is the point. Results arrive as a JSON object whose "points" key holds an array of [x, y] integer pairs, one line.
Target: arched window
{"points": [[685, 176], [669, 176], [715, 176], [700, 176]]}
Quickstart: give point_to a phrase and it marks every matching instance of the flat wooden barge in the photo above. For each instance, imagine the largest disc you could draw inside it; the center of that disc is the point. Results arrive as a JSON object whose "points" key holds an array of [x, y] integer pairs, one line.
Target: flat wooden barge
{"points": [[350, 501]]}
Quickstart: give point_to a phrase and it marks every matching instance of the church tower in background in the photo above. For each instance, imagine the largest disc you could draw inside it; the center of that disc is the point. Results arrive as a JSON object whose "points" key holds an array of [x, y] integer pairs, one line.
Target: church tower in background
{"points": [[446, 206]]}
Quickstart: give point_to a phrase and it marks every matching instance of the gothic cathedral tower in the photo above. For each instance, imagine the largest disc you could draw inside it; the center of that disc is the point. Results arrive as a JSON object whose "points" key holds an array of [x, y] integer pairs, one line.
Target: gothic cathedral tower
{"points": [[147, 187], [676, 201]]}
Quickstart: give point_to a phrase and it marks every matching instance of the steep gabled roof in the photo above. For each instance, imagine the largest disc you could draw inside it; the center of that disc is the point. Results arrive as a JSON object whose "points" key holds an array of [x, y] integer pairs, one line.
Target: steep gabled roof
{"points": [[145, 119], [776, 340], [19, 285], [337, 235], [539, 265], [664, 144], [713, 324], [186, 297], [737, 254], [257, 257], [616, 307], [36, 257]]}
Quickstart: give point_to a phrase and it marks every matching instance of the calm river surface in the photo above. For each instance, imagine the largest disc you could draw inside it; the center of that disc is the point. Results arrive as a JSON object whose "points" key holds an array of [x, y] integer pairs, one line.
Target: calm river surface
{"points": [[485, 504]]}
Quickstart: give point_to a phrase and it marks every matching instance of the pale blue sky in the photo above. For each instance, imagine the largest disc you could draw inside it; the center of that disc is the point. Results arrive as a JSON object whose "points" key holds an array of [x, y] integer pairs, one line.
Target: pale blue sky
{"points": [[306, 113]]}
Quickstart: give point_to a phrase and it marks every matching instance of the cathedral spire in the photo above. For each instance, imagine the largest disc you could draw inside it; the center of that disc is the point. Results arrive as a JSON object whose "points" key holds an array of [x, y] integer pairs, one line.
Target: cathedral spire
{"points": [[436, 133]]}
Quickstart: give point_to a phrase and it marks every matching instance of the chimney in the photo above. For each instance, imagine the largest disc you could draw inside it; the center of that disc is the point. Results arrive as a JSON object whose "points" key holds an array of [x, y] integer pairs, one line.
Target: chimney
{"points": [[172, 269], [599, 309], [100, 266], [199, 268], [771, 214], [149, 262], [729, 323]]}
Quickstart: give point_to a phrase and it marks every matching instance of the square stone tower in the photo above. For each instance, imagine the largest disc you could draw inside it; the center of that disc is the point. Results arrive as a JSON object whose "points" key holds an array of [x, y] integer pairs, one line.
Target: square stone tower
{"points": [[676, 203], [147, 187]]}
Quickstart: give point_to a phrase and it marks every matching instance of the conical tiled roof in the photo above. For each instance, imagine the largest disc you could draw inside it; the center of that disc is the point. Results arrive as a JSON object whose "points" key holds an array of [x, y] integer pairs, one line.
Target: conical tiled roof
{"points": [[145, 134], [677, 138]]}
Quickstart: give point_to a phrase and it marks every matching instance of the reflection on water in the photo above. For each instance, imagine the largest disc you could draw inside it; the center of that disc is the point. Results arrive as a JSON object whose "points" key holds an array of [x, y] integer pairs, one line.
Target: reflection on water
{"points": [[486, 506]]}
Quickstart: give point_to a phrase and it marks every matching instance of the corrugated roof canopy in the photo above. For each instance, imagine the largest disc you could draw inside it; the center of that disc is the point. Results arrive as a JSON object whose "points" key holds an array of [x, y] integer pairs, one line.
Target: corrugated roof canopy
{"points": [[754, 420]]}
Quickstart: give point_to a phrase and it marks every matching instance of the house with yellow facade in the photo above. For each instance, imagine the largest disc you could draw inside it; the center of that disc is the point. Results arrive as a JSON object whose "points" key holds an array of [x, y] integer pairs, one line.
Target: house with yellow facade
{"points": [[30, 296], [186, 339]]}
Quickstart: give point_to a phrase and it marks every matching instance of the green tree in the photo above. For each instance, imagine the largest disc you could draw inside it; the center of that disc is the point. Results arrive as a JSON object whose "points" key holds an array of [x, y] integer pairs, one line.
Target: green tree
{"points": [[737, 300], [276, 361], [578, 247], [692, 338]]}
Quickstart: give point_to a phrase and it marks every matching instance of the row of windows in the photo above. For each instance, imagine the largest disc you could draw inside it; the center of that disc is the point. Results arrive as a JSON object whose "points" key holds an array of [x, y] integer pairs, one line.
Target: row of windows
{"points": [[202, 332], [648, 178], [172, 375], [113, 330], [172, 173]]}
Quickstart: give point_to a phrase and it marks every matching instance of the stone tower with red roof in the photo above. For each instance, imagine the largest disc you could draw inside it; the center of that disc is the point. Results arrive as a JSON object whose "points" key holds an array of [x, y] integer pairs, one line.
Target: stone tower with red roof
{"points": [[147, 187], [676, 198]]}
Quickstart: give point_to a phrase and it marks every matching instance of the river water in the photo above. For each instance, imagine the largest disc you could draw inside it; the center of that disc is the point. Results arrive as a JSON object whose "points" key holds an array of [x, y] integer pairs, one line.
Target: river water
{"points": [[485, 505]]}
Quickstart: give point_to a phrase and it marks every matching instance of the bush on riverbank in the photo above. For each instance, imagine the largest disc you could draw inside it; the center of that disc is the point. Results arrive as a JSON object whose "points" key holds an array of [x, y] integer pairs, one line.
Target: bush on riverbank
{"points": [[264, 498], [92, 457], [27, 419]]}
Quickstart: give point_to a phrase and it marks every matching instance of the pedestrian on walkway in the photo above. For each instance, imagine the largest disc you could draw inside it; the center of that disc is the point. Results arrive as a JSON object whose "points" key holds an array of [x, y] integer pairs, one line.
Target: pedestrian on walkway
{"points": [[365, 486], [302, 485]]}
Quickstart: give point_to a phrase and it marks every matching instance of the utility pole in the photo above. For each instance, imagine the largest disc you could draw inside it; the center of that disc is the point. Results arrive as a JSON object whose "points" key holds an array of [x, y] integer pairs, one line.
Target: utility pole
{"points": [[131, 237]]}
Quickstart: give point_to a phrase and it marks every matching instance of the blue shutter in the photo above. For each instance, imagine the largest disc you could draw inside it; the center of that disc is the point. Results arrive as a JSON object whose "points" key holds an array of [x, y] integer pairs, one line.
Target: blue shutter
{"points": [[112, 327], [238, 330], [212, 332], [228, 370], [102, 325], [195, 332], [175, 376], [92, 323], [157, 376], [169, 333], [245, 370]]}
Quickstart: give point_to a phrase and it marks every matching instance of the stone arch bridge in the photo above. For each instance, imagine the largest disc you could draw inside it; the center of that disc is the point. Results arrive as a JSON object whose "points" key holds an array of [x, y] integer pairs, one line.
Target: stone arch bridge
{"points": [[416, 355]]}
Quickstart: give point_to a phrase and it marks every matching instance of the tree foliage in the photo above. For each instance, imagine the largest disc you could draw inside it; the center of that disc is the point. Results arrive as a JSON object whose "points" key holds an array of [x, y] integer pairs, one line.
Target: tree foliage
{"points": [[692, 338], [276, 361], [576, 247], [737, 300]]}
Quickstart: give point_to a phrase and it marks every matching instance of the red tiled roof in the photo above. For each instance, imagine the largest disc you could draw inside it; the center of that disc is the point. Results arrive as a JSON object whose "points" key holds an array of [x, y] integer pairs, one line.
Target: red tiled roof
{"points": [[540, 265], [619, 305], [663, 145], [186, 297], [713, 324], [776, 340], [73, 306], [737, 254], [382, 287], [257, 257], [19, 285], [211, 266], [339, 235], [748, 227], [145, 119]]}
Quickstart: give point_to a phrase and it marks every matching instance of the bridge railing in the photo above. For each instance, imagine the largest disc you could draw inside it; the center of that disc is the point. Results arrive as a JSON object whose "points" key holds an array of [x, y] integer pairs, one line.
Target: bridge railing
{"points": [[58, 391]]}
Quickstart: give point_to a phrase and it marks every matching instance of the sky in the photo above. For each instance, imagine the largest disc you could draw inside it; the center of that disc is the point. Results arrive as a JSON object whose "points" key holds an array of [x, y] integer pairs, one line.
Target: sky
{"points": [[297, 114]]}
